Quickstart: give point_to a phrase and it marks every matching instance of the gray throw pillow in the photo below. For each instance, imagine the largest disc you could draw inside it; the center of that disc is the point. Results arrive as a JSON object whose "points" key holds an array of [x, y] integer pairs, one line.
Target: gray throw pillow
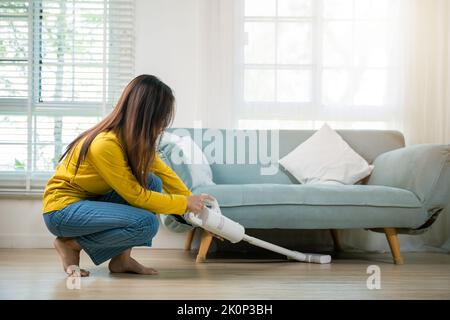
{"points": [[184, 156]]}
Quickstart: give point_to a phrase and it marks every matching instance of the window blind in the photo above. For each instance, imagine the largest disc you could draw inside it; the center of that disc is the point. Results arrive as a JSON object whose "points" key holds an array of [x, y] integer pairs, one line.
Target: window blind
{"points": [[63, 65], [14, 51]]}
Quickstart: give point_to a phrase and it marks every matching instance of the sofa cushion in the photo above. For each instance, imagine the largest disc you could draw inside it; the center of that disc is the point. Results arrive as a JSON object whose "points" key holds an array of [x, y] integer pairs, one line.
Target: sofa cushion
{"points": [[231, 195], [288, 216], [269, 206]]}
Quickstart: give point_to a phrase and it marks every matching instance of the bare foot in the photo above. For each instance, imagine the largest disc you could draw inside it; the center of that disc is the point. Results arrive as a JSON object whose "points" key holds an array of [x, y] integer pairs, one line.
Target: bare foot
{"points": [[124, 263], [69, 251]]}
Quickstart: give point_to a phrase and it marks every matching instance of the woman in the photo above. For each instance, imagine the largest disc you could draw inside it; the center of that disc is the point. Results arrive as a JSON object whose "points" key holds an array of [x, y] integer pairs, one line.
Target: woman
{"points": [[107, 188]]}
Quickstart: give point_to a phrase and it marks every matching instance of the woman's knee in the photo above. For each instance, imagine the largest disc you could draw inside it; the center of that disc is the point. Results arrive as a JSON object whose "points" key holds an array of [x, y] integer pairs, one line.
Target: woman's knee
{"points": [[155, 183], [149, 226]]}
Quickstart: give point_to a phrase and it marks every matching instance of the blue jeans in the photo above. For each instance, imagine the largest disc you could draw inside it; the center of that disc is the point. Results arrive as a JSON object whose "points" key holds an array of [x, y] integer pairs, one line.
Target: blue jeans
{"points": [[107, 225]]}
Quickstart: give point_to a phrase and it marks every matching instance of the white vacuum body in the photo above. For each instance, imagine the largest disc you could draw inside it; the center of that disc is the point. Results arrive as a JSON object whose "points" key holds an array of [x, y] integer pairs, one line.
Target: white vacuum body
{"points": [[212, 220]]}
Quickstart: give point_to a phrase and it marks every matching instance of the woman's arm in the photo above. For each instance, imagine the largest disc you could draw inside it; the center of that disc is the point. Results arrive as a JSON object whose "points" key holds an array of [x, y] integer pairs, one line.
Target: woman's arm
{"points": [[172, 184], [107, 157]]}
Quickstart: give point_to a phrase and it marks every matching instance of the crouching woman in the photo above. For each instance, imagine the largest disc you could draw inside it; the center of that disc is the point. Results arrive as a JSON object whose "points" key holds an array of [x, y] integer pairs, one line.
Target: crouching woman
{"points": [[107, 188]]}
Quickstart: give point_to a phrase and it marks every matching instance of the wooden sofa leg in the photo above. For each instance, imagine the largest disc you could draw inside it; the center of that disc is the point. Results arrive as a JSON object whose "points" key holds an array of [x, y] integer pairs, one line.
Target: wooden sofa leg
{"points": [[204, 246], [336, 241], [188, 241], [391, 235]]}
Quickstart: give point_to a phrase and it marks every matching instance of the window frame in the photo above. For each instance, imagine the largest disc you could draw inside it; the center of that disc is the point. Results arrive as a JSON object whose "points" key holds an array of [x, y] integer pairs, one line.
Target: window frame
{"points": [[314, 110], [31, 181]]}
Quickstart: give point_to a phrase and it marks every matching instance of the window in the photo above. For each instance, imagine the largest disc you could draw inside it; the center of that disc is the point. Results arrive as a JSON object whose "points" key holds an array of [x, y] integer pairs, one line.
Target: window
{"points": [[63, 64], [315, 60]]}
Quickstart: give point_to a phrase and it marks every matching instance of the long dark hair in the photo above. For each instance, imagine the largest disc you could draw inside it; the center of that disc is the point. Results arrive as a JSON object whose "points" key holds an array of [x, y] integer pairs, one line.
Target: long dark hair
{"points": [[144, 110]]}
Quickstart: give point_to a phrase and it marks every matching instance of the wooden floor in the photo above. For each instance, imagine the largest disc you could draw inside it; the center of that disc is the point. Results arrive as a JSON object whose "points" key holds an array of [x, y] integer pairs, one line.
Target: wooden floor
{"points": [[37, 274]]}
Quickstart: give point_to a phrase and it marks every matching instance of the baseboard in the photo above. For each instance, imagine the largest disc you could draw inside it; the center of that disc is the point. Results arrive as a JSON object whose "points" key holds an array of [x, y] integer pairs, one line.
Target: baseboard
{"points": [[18, 240], [45, 240]]}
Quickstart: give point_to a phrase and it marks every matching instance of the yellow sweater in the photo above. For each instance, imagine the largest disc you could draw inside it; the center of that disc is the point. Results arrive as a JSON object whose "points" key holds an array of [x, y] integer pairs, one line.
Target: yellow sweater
{"points": [[105, 169]]}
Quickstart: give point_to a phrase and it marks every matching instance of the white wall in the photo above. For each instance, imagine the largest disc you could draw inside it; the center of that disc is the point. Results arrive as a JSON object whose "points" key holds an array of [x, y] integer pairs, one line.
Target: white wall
{"points": [[166, 46]]}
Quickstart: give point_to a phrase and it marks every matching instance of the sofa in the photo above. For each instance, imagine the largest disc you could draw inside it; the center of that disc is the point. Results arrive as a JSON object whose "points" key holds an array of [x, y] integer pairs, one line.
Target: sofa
{"points": [[406, 191]]}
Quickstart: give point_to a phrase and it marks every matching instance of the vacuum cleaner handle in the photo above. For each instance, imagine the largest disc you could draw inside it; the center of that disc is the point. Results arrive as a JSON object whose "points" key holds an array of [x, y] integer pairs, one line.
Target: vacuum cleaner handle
{"points": [[200, 218], [213, 204], [195, 218]]}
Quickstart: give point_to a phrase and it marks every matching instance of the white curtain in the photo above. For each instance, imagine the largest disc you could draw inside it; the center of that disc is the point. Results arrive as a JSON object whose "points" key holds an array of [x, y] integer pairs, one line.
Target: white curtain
{"points": [[393, 75], [423, 113], [424, 26], [425, 52], [216, 52], [415, 93]]}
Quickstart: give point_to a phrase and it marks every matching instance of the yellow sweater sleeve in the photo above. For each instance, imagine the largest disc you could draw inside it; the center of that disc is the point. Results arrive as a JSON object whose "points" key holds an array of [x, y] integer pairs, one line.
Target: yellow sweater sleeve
{"points": [[107, 157], [172, 184]]}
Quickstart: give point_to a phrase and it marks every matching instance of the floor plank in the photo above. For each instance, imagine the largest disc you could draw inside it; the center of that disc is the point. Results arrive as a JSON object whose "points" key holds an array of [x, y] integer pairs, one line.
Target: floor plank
{"points": [[37, 274]]}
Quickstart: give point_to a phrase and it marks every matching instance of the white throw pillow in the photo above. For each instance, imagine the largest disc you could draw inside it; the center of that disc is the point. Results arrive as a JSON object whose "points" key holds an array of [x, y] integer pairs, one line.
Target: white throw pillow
{"points": [[326, 158]]}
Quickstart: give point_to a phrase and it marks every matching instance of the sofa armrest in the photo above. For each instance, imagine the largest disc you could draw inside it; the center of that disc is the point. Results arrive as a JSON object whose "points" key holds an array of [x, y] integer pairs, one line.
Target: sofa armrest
{"points": [[421, 169]]}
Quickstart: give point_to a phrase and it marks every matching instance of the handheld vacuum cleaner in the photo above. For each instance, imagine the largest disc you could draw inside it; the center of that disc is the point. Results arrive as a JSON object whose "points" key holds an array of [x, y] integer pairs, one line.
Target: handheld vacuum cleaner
{"points": [[212, 220]]}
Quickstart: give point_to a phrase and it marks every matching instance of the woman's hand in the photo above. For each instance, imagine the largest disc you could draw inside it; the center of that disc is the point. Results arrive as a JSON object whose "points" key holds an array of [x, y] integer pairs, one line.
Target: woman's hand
{"points": [[196, 203]]}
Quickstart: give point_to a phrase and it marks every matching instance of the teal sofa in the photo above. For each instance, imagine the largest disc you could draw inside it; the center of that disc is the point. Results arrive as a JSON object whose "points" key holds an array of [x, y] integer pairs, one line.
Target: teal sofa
{"points": [[408, 188]]}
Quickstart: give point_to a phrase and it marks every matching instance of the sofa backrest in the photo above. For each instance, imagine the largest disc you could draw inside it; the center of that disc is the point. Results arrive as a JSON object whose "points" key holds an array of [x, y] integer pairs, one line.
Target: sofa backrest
{"points": [[220, 145]]}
